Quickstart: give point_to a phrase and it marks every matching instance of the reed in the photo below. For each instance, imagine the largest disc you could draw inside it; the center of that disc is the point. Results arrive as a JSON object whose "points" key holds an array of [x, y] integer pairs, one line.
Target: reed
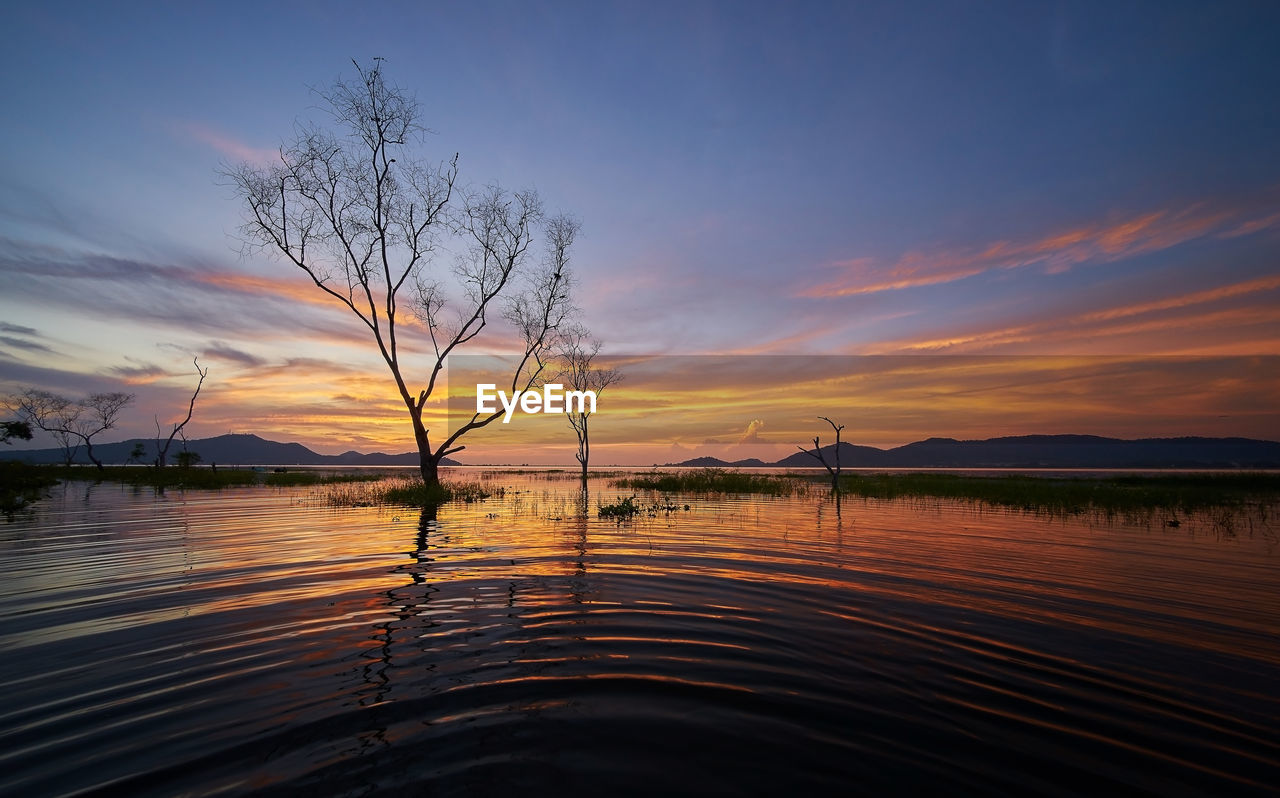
{"points": [[1185, 492], [715, 480], [408, 492], [169, 477], [296, 478]]}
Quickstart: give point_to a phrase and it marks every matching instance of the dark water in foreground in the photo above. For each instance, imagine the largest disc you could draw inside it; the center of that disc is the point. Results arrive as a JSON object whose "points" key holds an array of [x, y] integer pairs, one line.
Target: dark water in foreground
{"points": [[260, 641]]}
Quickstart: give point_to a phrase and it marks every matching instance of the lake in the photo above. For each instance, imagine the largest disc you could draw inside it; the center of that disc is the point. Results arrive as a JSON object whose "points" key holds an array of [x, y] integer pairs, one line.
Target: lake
{"points": [[260, 640]]}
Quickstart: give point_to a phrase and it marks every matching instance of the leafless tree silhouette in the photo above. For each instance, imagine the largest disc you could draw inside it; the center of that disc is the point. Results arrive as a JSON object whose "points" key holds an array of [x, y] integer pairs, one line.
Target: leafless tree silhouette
{"points": [[366, 221], [162, 449], [816, 452], [576, 351], [73, 422]]}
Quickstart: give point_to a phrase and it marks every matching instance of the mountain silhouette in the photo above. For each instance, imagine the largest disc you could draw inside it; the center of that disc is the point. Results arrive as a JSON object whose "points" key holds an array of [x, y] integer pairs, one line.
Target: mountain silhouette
{"points": [[225, 450], [1041, 451]]}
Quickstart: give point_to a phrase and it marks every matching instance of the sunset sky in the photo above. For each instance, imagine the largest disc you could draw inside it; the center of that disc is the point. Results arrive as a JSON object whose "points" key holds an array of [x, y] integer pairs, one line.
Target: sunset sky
{"points": [[1055, 187]]}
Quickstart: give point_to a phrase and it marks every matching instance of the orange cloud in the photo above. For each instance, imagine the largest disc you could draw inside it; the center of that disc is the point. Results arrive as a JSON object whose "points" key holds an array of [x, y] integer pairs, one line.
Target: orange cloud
{"points": [[292, 290], [413, 337], [1196, 298], [1181, 313], [1056, 252]]}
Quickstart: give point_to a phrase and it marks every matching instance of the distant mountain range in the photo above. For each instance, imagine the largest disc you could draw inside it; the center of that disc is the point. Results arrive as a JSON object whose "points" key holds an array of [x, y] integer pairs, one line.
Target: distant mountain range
{"points": [[1037, 451], [224, 450], [1026, 451]]}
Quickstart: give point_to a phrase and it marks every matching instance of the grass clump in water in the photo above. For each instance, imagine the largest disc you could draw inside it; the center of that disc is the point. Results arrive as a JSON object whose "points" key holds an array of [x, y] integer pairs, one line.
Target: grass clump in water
{"points": [[1070, 495], [627, 508], [295, 478], [714, 480], [169, 477], [416, 493], [623, 509]]}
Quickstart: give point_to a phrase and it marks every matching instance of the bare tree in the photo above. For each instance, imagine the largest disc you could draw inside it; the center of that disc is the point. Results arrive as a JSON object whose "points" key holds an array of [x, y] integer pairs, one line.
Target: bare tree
{"points": [[364, 219], [817, 453], [576, 350], [102, 410], [50, 413], [162, 450], [73, 422]]}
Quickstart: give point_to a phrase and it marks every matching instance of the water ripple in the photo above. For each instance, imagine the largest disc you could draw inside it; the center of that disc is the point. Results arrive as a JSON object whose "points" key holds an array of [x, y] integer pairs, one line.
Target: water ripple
{"points": [[256, 641]]}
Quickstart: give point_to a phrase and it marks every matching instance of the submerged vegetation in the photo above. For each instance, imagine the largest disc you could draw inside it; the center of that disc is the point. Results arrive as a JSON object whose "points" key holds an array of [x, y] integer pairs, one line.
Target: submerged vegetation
{"points": [[627, 508], [1054, 494], [715, 480], [1125, 493], [200, 478], [24, 478], [416, 493], [407, 491], [622, 509], [21, 484], [170, 477], [282, 479]]}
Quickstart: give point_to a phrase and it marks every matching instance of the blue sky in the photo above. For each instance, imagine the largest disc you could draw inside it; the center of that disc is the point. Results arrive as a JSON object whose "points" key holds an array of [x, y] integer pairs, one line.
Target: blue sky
{"points": [[1043, 178]]}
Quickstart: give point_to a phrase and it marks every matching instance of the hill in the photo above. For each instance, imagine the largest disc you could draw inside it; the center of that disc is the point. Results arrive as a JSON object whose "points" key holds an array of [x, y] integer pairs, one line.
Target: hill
{"points": [[226, 450], [716, 462], [1047, 451]]}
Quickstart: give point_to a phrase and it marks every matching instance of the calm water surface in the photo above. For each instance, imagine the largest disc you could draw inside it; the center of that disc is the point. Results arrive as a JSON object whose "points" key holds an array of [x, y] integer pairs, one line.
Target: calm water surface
{"points": [[260, 641]]}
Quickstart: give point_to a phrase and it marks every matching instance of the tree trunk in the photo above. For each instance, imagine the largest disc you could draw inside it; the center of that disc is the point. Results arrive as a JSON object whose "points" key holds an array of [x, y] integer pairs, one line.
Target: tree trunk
{"points": [[88, 450], [428, 462], [430, 467], [584, 450]]}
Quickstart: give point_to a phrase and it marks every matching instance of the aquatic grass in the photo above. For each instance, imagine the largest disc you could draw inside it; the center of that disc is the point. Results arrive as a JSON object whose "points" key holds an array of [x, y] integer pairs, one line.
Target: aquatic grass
{"points": [[716, 480], [168, 477], [622, 509], [297, 478], [415, 493], [186, 478], [407, 491], [1074, 495]]}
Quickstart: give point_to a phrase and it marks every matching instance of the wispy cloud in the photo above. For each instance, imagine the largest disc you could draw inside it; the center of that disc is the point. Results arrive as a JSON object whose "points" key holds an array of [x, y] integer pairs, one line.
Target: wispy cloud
{"points": [[225, 352], [1184, 300], [1183, 321], [1058, 251], [22, 343], [140, 373], [226, 145], [200, 299]]}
